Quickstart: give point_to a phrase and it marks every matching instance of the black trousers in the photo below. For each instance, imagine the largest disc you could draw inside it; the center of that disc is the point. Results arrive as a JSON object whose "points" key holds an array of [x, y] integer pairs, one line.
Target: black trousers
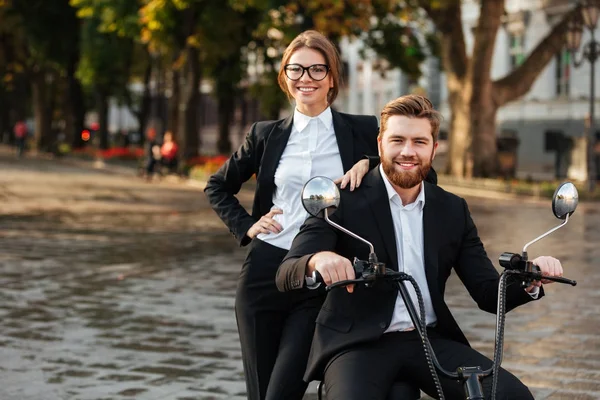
{"points": [[275, 328], [367, 371]]}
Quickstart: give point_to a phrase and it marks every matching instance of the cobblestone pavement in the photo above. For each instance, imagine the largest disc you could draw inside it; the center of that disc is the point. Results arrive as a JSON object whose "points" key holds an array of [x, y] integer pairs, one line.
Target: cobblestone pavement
{"points": [[113, 288]]}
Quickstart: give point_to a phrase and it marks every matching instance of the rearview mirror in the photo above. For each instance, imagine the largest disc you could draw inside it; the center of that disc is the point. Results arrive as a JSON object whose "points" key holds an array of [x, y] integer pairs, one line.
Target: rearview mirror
{"points": [[320, 193], [565, 200]]}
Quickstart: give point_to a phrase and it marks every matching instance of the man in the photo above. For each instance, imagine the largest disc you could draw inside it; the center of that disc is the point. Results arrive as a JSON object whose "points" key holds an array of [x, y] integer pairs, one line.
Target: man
{"points": [[364, 339]]}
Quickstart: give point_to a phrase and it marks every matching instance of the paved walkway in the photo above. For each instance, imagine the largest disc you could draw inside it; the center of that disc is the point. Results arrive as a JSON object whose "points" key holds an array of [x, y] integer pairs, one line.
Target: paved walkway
{"points": [[113, 288]]}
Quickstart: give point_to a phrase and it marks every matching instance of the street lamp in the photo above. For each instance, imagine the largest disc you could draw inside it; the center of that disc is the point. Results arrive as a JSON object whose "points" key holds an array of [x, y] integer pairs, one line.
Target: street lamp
{"points": [[590, 10]]}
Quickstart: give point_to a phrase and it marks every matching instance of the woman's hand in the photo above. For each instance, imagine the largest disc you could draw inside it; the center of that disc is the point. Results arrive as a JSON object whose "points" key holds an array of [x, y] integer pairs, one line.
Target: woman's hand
{"points": [[355, 175], [266, 224]]}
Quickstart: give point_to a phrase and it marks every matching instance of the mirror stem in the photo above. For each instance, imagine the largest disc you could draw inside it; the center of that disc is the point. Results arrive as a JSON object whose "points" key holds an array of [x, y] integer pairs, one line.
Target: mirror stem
{"points": [[372, 256], [524, 255]]}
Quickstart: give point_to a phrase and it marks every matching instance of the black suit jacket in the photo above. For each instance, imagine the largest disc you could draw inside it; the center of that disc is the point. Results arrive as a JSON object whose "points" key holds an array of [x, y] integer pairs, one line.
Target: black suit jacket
{"points": [[450, 241], [260, 154]]}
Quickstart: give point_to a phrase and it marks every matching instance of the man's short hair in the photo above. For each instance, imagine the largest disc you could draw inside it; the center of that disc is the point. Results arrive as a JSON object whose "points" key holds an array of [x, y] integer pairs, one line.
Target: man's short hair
{"points": [[412, 106]]}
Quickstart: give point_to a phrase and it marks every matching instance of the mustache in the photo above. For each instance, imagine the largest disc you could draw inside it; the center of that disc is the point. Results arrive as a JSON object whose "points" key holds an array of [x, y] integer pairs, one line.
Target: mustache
{"points": [[413, 160]]}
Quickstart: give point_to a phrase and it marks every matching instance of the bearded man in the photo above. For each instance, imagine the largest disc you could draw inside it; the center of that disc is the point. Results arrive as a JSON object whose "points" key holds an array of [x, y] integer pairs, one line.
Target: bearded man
{"points": [[364, 339]]}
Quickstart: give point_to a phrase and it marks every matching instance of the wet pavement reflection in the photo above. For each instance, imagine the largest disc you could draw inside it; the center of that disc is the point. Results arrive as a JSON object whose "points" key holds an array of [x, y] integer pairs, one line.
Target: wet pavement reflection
{"points": [[113, 288]]}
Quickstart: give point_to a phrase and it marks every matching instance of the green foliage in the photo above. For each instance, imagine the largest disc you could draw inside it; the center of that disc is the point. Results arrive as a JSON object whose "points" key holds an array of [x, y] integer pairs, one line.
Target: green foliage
{"points": [[399, 36], [117, 37], [115, 16], [104, 58], [46, 27], [272, 99], [164, 25], [111, 49]]}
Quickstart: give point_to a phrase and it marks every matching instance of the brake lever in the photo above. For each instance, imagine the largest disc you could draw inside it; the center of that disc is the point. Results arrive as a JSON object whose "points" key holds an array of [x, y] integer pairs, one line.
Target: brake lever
{"points": [[537, 275], [558, 279], [344, 283]]}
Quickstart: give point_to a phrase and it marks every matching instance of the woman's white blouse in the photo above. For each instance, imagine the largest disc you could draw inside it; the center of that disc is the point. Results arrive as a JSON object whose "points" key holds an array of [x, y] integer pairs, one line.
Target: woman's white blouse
{"points": [[311, 150]]}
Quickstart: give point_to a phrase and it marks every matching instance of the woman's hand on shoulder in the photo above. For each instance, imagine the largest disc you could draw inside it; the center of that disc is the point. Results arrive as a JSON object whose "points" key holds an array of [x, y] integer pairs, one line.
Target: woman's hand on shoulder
{"points": [[354, 176]]}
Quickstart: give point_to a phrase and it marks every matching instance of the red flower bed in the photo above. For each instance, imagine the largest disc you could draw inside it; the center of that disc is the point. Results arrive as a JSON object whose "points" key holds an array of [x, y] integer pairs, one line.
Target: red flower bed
{"points": [[203, 160], [121, 153]]}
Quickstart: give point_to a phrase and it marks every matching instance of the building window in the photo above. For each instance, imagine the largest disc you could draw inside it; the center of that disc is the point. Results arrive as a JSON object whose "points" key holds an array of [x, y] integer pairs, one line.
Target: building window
{"points": [[516, 49], [563, 73]]}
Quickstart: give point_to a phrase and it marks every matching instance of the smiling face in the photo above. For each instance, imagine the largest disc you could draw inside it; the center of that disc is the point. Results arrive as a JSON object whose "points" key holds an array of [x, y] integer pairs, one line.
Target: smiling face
{"points": [[407, 149], [310, 95]]}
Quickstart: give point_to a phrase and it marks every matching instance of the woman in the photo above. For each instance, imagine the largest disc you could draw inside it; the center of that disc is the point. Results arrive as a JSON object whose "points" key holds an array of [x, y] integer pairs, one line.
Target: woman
{"points": [[168, 152], [276, 328]]}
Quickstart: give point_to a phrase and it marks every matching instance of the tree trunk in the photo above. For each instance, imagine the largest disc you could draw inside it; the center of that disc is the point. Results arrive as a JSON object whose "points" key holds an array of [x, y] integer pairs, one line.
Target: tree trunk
{"points": [[75, 115], [474, 98], [102, 109], [43, 121], [483, 132], [460, 133], [51, 142], [188, 133], [226, 104], [243, 104], [173, 103], [4, 119], [144, 112], [482, 107], [226, 109]]}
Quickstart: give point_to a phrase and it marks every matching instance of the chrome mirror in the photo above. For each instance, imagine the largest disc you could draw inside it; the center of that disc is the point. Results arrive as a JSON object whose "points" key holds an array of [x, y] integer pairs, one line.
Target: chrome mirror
{"points": [[318, 194], [321, 195], [565, 200], [564, 204]]}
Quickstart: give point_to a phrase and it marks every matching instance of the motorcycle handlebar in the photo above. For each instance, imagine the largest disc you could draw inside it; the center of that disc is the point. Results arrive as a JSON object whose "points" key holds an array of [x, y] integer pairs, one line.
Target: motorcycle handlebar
{"points": [[364, 277]]}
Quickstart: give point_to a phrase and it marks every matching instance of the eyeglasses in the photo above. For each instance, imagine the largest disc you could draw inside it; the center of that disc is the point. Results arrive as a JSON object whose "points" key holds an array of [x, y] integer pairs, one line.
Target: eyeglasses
{"points": [[317, 72]]}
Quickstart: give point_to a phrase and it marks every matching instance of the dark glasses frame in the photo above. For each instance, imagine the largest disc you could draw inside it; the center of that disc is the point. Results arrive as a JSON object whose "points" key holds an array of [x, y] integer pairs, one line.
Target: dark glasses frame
{"points": [[307, 70]]}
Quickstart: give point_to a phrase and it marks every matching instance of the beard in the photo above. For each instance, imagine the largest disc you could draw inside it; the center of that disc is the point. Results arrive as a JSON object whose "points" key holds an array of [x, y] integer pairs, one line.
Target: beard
{"points": [[406, 179]]}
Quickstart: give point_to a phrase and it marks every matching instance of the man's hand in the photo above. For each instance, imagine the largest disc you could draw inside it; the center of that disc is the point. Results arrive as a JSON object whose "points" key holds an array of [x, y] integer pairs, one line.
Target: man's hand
{"points": [[266, 224], [549, 266], [355, 175], [332, 267]]}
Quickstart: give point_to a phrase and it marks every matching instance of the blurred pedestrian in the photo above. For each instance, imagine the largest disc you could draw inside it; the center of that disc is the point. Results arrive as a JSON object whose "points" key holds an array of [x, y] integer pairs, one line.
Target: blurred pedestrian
{"points": [[20, 132], [152, 152], [168, 152]]}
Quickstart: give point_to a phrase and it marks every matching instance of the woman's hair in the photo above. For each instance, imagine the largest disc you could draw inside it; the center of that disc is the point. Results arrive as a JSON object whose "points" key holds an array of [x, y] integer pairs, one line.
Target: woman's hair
{"points": [[316, 41], [412, 106]]}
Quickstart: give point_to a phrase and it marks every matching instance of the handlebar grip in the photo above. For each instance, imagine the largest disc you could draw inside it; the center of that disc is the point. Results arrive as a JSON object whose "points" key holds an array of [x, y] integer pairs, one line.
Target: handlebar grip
{"points": [[318, 277]]}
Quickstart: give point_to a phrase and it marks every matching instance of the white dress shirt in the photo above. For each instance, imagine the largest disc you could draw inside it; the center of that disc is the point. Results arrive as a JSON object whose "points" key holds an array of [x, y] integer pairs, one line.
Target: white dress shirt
{"points": [[311, 150], [408, 229]]}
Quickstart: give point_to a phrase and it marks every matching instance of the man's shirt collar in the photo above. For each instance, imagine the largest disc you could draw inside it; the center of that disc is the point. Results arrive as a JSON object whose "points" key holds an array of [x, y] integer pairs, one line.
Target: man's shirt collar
{"points": [[391, 192]]}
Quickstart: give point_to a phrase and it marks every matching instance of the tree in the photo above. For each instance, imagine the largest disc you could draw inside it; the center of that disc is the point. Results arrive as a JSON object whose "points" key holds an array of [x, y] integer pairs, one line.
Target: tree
{"points": [[473, 96], [170, 27], [222, 49], [12, 100], [120, 18], [104, 69], [398, 34], [41, 43]]}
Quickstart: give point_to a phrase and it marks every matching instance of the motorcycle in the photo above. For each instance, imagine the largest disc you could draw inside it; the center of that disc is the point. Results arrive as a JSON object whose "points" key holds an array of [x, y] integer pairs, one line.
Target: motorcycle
{"points": [[321, 197]]}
